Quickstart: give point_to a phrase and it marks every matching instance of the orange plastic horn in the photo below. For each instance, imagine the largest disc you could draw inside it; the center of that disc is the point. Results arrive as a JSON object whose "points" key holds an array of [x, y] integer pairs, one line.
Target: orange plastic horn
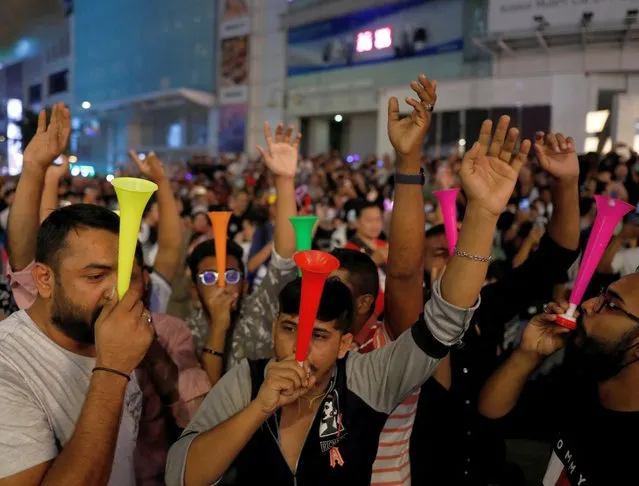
{"points": [[220, 221]]}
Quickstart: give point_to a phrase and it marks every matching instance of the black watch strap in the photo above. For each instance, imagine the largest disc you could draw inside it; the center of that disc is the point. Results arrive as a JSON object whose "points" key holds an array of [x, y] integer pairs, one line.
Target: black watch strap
{"points": [[419, 179]]}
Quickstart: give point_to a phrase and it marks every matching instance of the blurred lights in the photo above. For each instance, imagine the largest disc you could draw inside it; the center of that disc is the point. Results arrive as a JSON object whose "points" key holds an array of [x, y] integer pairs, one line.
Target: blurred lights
{"points": [[86, 105], [75, 171], [462, 142], [110, 177], [338, 118], [383, 38], [596, 121], [141, 156], [14, 109], [379, 39], [591, 145], [73, 159]]}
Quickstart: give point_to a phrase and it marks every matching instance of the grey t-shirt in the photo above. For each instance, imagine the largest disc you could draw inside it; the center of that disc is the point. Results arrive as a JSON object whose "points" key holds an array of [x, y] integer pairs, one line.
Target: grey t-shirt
{"points": [[42, 390]]}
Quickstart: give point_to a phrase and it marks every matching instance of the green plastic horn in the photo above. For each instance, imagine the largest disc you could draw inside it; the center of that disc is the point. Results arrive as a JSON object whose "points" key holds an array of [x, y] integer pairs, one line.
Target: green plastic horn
{"points": [[303, 226]]}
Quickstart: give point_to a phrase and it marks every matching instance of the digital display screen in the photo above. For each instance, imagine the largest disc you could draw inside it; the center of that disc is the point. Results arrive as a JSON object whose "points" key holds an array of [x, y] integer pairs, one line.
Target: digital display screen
{"points": [[377, 40]]}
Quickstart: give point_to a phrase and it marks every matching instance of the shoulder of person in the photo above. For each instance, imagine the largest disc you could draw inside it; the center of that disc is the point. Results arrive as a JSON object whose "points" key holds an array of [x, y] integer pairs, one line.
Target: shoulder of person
{"points": [[13, 327]]}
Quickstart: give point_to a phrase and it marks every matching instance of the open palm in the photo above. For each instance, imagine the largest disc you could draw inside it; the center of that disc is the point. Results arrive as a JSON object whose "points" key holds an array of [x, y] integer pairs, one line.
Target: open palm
{"points": [[151, 166], [556, 155], [49, 142], [282, 154], [489, 172], [407, 134]]}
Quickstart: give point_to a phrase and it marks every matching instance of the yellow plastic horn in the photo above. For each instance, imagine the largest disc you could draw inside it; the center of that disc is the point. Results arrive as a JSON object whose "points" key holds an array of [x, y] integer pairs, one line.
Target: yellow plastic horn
{"points": [[133, 196], [220, 221]]}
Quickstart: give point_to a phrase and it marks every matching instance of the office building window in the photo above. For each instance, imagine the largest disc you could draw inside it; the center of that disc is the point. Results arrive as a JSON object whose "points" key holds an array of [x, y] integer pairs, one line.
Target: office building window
{"points": [[58, 82], [35, 94]]}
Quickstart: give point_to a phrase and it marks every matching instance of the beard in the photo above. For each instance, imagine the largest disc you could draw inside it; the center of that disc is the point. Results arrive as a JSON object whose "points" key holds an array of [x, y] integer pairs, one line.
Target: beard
{"points": [[596, 360], [71, 319]]}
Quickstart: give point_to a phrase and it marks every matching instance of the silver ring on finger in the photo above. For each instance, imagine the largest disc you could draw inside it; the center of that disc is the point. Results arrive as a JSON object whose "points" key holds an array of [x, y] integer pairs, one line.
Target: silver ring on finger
{"points": [[147, 317], [547, 309], [429, 106]]}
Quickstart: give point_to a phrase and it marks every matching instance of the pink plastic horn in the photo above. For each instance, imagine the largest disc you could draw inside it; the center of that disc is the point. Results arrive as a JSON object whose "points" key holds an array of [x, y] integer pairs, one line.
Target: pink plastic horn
{"points": [[609, 213], [448, 203]]}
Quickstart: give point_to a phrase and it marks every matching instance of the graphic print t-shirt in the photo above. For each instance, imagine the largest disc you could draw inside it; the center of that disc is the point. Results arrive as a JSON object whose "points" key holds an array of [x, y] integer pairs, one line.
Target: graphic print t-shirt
{"points": [[595, 447]]}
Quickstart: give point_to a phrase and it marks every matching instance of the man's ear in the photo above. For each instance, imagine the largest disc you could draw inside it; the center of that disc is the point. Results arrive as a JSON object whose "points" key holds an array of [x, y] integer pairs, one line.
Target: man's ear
{"points": [[44, 279], [363, 304], [345, 345]]}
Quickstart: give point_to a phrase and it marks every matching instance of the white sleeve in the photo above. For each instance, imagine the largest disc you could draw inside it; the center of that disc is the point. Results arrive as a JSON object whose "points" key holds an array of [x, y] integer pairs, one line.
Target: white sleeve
{"points": [[26, 437], [161, 292], [625, 261]]}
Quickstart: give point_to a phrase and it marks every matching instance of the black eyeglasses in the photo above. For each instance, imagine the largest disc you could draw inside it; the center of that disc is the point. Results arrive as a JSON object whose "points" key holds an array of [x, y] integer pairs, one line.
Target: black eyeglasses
{"points": [[604, 301], [210, 277]]}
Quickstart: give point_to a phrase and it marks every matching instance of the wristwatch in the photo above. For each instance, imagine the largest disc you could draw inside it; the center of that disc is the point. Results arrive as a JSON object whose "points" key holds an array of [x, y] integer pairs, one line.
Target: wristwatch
{"points": [[411, 178]]}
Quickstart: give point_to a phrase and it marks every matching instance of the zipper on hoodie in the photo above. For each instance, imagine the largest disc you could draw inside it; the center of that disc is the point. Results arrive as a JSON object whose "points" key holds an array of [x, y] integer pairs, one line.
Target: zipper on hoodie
{"points": [[276, 439]]}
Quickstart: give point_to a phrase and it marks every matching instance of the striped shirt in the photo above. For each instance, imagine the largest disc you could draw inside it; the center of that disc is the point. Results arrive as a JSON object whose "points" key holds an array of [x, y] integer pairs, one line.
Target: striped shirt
{"points": [[392, 464]]}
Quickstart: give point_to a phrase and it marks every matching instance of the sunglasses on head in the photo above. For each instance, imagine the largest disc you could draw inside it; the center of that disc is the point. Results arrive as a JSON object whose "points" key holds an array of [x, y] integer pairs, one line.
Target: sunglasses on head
{"points": [[210, 277]]}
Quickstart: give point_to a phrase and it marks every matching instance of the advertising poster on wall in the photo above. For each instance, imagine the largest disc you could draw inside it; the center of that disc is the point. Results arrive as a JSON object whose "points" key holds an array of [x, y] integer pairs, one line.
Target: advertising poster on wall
{"points": [[234, 67], [235, 27], [514, 15], [232, 127], [397, 31]]}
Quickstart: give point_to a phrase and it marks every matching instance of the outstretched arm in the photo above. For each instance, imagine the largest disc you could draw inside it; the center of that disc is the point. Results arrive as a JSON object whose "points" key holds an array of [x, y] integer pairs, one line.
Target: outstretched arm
{"points": [[556, 155], [281, 159], [24, 218], [489, 173], [404, 272], [50, 199], [169, 225]]}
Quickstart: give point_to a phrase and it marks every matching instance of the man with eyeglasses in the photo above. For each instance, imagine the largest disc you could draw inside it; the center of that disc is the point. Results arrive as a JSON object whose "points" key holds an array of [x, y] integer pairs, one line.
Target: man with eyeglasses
{"points": [[224, 311], [590, 407]]}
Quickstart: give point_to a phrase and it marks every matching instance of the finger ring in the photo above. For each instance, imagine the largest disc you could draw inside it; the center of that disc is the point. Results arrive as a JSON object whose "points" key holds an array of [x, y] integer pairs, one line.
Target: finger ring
{"points": [[546, 309], [429, 107], [148, 317]]}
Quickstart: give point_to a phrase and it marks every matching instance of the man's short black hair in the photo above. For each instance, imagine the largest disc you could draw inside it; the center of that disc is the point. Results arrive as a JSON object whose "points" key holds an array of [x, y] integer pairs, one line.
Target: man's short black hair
{"points": [[336, 303], [207, 249], [362, 271], [54, 230], [364, 204]]}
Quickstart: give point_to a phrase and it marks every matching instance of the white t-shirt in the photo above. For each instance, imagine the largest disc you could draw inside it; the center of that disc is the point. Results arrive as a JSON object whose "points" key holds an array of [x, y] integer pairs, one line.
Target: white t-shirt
{"points": [[625, 261], [42, 390]]}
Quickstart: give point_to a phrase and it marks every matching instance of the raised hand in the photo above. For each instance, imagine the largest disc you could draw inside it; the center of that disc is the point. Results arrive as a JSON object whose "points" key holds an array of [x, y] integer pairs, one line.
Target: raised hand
{"points": [[285, 382], [407, 134], [283, 153], [542, 336], [49, 142], [489, 171], [151, 167], [556, 155]]}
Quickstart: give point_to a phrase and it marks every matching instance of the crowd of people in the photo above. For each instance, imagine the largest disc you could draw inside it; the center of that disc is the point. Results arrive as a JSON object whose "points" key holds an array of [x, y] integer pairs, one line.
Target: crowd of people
{"points": [[427, 364]]}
